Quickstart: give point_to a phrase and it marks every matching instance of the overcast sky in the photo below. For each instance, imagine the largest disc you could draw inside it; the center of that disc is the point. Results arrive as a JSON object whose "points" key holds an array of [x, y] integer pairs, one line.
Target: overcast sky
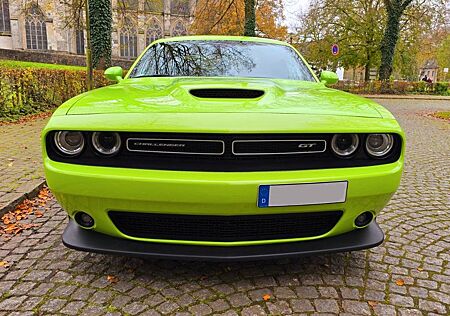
{"points": [[291, 9]]}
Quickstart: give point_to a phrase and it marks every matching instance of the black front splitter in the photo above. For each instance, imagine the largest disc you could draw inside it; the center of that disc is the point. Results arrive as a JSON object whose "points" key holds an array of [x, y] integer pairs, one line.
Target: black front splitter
{"points": [[86, 240]]}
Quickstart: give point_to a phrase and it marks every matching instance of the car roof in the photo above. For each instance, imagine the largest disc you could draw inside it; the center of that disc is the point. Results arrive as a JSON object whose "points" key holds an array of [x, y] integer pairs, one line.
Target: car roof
{"points": [[221, 38]]}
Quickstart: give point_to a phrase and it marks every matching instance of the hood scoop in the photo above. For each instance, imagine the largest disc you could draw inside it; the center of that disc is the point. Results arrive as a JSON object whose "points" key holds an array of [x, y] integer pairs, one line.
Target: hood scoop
{"points": [[226, 93]]}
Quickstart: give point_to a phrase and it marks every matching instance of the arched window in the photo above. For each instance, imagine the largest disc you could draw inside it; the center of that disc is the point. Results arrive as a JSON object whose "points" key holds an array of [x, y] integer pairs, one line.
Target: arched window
{"points": [[154, 32], [128, 40], [128, 4], [154, 6], [180, 7], [179, 29], [5, 25], [35, 28], [79, 41]]}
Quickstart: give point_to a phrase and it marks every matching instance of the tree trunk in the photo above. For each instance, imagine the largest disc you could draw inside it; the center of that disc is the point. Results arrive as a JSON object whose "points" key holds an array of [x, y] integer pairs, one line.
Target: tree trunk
{"points": [[250, 18], [367, 67], [389, 42]]}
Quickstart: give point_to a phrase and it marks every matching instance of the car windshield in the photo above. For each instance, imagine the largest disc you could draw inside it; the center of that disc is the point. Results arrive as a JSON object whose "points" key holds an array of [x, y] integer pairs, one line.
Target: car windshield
{"points": [[221, 59]]}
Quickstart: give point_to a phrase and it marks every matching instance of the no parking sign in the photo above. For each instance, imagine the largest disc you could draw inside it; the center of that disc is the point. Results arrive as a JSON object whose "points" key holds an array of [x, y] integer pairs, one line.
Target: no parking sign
{"points": [[335, 49]]}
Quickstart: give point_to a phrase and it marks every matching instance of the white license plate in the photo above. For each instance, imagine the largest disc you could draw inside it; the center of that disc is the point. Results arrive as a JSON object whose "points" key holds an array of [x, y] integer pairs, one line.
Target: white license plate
{"points": [[302, 194]]}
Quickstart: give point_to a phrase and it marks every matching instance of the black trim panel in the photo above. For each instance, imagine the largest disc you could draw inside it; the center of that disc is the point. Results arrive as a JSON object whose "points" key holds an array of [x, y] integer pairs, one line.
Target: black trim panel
{"points": [[87, 240]]}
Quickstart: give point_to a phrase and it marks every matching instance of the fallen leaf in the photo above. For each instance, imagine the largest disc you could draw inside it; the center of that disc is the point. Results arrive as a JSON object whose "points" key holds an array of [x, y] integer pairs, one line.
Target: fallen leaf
{"points": [[10, 164], [372, 303], [400, 282], [38, 214], [4, 264], [112, 279], [266, 297], [419, 269]]}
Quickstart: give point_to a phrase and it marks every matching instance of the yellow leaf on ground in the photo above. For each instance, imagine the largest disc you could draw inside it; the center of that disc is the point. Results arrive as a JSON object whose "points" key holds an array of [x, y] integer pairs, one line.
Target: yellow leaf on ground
{"points": [[420, 269], [266, 297], [4, 263], [112, 279], [400, 282], [372, 303]]}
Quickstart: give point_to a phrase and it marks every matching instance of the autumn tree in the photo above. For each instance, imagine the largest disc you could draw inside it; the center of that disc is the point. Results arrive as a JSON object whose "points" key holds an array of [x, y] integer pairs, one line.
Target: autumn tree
{"points": [[250, 18], [227, 17], [101, 28], [358, 27], [354, 25], [100, 18]]}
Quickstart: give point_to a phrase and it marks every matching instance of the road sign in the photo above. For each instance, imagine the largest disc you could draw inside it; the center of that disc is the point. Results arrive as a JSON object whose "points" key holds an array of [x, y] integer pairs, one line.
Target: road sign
{"points": [[334, 49]]}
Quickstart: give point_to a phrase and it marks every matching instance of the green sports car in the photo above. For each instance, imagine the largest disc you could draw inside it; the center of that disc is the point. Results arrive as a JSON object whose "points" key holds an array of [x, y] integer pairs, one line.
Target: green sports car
{"points": [[222, 148]]}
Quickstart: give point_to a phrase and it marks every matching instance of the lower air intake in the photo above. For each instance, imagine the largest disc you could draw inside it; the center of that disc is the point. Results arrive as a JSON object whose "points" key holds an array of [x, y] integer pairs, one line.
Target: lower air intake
{"points": [[224, 228]]}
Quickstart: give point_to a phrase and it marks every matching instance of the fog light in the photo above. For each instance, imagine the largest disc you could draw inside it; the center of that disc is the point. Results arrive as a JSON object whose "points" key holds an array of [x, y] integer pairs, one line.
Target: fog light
{"points": [[363, 219], [83, 219]]}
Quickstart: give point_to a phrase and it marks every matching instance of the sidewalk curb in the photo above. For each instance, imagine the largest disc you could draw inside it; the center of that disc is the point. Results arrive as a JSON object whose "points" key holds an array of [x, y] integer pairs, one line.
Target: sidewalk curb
{"points": [[407, 97], [30, 194]]}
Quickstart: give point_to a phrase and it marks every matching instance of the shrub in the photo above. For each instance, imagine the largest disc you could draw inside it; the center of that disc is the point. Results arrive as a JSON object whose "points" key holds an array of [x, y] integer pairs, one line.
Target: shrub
{"points": [[30, 90], [394, 87], [442, 88]]}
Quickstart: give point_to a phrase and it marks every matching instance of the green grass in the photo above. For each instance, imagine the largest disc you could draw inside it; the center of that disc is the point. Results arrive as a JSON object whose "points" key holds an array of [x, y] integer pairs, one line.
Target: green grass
{"points": [[443, 115], [29, 64]]}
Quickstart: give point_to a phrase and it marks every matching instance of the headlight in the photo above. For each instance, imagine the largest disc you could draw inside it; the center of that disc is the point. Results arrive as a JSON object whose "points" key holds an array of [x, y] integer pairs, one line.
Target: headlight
{"points": [[344, 144], [106, 143], [379, 145], [69, 143]]}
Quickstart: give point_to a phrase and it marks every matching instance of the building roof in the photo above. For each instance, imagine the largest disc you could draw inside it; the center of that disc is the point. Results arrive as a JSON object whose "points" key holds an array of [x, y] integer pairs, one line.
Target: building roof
{"points": [[430, 64]]}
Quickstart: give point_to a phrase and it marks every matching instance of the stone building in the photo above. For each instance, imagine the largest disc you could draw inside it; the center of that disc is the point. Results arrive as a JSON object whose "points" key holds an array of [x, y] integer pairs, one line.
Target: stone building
{"points": [[430, 69], [41, 25]]}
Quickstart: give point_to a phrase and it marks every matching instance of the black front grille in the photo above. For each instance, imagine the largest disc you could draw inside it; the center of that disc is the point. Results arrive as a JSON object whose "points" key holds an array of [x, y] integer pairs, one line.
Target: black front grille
{"points": [[227, 93], [224, 228], [214, 152]]}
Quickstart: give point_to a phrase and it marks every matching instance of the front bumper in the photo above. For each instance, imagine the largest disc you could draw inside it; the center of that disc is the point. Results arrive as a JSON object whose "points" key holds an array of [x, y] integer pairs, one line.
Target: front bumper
{"points": [[86, 240], [98, 190]]}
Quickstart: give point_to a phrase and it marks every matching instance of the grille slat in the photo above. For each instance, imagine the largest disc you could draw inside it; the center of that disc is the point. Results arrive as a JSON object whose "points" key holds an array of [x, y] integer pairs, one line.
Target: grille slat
{"points": [[224, 228]]}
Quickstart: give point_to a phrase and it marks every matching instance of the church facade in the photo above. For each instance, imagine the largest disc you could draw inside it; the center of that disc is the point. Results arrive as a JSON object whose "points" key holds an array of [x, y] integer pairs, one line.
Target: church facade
{"points": [[53, 26]]}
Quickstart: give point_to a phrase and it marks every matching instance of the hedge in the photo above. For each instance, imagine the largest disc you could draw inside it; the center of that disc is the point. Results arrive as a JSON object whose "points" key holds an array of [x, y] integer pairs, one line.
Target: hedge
{"points": [[31, 90], [394, 87]]}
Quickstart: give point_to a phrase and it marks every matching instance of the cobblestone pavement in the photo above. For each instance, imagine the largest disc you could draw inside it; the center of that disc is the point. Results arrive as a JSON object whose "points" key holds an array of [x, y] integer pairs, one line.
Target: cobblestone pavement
{"points": [[408, 275], [20, 159]]}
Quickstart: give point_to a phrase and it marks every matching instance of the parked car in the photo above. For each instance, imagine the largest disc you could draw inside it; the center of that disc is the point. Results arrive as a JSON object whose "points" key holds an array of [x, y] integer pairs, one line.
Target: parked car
{"points": [[222, 148]]}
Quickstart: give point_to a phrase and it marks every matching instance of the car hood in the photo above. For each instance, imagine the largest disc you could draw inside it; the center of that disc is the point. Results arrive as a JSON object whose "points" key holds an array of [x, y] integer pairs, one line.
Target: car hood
{"points": [[166, 95]]}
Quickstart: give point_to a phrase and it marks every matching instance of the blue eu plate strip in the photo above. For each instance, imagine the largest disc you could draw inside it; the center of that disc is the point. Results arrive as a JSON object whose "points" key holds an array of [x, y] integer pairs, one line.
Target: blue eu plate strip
{"points": [[263, 196]]}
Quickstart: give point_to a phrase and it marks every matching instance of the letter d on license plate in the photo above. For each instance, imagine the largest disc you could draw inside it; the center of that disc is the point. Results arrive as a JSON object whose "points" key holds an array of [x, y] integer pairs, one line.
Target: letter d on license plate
{"points": [[302, 194]]}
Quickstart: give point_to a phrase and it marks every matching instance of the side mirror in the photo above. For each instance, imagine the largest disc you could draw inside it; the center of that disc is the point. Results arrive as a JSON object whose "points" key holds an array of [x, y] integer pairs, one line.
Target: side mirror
{"points": [[328, 77], [114, 73]]}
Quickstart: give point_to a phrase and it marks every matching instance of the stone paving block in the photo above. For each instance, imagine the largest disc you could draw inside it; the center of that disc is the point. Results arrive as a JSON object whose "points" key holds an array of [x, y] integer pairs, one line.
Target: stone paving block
{"points": [[45, 277]]}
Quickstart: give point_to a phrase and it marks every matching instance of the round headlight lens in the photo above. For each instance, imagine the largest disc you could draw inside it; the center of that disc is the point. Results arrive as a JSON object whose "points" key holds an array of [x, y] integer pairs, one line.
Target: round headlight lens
{"points": [[379, 145], [106, 143], [344, 144], [69, 143]]}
